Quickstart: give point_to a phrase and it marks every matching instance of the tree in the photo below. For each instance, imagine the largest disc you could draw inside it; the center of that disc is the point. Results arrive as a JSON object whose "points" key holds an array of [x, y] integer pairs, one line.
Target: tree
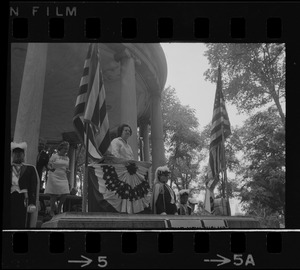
{"points": [[182, 139], [263, 172], [253, 74]]}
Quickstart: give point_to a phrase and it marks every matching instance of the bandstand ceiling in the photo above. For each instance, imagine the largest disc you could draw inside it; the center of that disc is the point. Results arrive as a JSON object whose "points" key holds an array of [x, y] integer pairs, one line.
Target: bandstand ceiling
{"points": [[63, 73]]}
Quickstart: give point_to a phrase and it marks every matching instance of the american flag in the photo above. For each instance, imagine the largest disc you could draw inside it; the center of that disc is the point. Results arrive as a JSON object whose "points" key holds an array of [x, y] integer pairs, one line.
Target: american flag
{"points": [[209, 198], [220, 131], [90, 106]]}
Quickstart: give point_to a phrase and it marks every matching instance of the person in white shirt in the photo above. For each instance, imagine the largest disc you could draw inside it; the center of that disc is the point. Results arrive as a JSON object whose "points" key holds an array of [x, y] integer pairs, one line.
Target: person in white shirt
{"points": [[58, 183], [119, 146]]}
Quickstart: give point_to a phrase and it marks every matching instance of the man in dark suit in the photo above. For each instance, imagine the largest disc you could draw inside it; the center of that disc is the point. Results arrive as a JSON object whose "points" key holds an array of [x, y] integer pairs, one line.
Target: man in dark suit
{"points": [[184, 207], [23, 189], [41, 163]]}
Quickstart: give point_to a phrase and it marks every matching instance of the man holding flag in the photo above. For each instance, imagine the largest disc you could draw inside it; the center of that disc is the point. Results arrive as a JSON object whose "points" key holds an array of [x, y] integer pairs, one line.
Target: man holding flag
{"points": [[220, 131]]}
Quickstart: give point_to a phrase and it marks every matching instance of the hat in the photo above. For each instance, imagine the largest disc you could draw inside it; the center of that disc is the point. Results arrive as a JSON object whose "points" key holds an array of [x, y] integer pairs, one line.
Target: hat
{"points": [[184, 191], [22, 146], [63, 144], [160, 171], [18, 148]]}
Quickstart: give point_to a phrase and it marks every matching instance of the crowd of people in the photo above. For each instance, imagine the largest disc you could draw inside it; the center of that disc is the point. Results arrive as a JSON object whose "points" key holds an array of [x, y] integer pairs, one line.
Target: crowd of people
{"points": [[26, 181]]}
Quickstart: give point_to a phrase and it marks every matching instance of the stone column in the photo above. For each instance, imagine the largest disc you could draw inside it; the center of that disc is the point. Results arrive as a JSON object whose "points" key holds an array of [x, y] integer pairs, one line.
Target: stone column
{"points": [[157, 139], [72, 155], [27, 127], [128, 96], [144, 133], [141, 147]]}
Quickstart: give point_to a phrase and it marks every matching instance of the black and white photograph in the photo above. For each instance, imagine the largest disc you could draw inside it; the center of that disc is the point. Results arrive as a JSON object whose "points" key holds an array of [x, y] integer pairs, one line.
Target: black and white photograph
{"points": [[147, 136]]}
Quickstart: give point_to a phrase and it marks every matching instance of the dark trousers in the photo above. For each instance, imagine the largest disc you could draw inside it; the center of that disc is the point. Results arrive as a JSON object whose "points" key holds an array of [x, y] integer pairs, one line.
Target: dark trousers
{"points": [[17, 211]]}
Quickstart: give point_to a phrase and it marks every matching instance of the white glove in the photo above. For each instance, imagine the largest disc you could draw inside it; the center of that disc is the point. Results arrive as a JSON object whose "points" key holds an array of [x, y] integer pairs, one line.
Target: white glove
{"points": [[31, 208]]}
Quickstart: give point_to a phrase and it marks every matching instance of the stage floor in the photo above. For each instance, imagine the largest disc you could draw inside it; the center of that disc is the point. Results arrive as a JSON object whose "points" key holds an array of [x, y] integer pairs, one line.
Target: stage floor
{"points": [[103, 220]]}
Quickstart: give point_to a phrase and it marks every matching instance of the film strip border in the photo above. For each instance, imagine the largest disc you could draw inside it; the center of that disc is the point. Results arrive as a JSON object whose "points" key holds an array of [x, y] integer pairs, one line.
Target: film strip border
{"points": [[156, 22], [148, 22], [150, 250]]}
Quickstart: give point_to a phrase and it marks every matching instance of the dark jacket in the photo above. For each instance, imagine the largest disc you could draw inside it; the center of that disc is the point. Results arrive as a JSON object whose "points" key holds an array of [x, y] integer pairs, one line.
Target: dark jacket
{"points": [[163, 203], [181, 210], [28, 180]]}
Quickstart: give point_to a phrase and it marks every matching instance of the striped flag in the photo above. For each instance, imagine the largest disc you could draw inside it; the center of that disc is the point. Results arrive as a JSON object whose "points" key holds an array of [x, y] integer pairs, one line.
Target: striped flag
{"points": [[90, 106], [209, 200], [220, 131]]}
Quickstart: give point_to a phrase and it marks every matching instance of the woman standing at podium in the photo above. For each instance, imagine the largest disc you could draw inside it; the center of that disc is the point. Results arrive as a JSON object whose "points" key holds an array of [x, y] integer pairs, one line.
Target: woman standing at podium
{"points": [[58, 184]]}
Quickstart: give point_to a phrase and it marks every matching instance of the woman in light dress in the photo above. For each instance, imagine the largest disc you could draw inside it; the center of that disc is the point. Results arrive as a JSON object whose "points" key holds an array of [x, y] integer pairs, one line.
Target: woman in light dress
{"points": [[58, 184], [120, 146]]}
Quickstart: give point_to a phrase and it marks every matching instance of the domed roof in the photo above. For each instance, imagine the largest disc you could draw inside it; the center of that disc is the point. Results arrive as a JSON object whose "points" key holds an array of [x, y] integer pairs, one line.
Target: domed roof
{"points": [[63, 73]]}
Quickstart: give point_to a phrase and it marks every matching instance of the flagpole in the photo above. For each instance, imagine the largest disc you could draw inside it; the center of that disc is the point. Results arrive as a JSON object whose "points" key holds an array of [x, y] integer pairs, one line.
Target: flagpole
{"points": [[219, 117], [224, 175], [225, 168], [85, 180]]}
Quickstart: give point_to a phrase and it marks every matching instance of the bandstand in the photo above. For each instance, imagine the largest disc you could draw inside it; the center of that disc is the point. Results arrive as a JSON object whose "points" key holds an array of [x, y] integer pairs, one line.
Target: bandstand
{"points": [[45, 80], [47, 75]]}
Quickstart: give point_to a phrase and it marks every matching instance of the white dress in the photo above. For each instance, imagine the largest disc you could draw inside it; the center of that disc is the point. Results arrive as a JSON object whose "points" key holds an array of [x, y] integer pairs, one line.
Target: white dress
{"points": [[57, 181], [121, 149]]}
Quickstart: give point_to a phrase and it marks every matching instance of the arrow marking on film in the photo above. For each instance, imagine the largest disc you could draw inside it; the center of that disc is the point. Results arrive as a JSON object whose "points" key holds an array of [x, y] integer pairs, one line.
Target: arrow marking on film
{"points": [[86, 262], [222, 261]]}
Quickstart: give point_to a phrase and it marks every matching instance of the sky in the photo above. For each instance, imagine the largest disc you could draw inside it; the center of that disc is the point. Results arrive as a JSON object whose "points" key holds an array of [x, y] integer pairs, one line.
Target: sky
{"points": [[186, 66]]}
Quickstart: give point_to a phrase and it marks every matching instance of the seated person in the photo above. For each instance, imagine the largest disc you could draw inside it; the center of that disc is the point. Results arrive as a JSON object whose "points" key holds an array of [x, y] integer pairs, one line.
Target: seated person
{"points": [[163, 197], [119, 146], [184, 207]]}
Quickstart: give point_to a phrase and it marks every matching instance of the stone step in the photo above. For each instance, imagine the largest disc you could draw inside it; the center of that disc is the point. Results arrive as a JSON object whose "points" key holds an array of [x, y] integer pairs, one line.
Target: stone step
{"points": [[102, 220]]}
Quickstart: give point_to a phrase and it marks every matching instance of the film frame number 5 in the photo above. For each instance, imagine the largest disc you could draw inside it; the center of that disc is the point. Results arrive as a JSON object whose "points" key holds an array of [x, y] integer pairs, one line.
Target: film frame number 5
{"points": [[102, 261]]}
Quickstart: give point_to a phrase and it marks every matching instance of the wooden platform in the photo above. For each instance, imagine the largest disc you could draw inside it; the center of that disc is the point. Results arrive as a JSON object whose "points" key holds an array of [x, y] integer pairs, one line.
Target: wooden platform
{"points": [[104, 221]]}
